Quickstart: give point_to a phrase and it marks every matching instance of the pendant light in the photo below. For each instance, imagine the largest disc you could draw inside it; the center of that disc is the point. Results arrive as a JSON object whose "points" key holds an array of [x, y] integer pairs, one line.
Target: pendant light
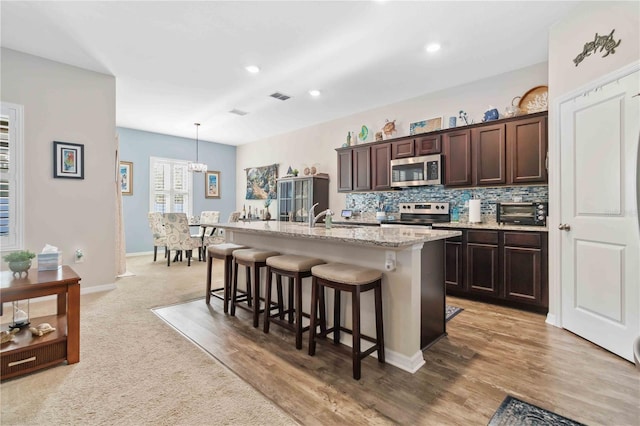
{"points": [[197, 167]]}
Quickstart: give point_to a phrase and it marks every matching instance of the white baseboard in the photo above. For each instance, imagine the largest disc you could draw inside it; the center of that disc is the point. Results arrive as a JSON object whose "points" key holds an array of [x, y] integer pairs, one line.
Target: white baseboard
{"points": [[83, 291], [403, 362], [552, 320], [140, 253]]}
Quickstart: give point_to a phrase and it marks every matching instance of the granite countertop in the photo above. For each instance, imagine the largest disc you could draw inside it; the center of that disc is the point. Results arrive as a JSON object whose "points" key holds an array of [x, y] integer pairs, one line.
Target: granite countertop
{"points": [[361, 235]]}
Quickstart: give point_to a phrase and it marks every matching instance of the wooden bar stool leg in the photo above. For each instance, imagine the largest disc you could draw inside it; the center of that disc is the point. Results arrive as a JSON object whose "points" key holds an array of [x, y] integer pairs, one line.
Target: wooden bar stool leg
{"points": [[228, 266], [267, 300], [355, 303], [313, 316], [209, 267], [234, 288], [290, 305], [298, 307], [379, 324], [256, 295], [247, 273], [323, 313], [280, 297], [336, 317]]}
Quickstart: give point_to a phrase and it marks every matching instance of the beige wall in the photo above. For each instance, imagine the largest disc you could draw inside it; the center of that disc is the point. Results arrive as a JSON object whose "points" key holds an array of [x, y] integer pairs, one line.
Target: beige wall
{"points": [[69, 104], [568, 37], [316, 144]]}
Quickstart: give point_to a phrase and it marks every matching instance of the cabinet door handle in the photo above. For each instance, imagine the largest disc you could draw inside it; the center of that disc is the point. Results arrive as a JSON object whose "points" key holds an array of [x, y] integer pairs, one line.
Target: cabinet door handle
{"points": [[564, 227]]}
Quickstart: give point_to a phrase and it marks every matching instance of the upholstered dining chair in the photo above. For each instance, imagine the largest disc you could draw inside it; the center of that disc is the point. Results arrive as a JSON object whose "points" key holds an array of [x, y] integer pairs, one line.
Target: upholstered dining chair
{"points": [[157, 229], [179, 237], [209, 234]]}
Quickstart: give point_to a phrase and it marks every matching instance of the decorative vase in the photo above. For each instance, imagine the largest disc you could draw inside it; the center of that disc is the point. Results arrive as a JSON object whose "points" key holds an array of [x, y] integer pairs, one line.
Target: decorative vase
{"points": [[20, 266]]}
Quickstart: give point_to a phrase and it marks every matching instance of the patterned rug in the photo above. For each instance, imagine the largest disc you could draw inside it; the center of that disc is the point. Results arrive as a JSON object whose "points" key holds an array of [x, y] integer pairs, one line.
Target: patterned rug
{"points": [[452, 311], [513, 412]]}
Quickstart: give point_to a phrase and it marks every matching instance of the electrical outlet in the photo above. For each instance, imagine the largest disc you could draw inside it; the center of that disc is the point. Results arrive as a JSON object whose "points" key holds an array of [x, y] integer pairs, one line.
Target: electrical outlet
{"points": [[79, 256]]}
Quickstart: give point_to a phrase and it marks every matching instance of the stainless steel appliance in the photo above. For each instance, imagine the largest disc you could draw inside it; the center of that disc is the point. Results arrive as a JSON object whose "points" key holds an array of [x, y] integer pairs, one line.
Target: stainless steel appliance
{"points": [[420, 214], [416, 171], [527, 213]]}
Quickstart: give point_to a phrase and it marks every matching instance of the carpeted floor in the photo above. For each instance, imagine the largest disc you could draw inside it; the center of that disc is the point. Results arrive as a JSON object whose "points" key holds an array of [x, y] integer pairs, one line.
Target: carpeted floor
{"points": [[135, 369]]}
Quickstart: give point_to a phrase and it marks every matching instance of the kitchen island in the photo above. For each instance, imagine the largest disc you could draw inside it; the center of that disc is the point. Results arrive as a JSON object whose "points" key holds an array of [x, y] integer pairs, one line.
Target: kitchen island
{"points": [[412, 261]]}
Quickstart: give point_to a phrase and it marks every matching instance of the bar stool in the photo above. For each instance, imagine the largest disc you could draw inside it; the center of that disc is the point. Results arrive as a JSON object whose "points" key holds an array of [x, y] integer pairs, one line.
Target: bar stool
{"points": [[250, 258], [223, 252], [296, 268], [354, 279]]}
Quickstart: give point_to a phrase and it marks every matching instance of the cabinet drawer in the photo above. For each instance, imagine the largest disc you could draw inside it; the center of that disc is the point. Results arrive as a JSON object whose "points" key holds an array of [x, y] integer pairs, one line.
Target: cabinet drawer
{"points": [[482, 237], [402, 149], [23, 361], [522, 239]]}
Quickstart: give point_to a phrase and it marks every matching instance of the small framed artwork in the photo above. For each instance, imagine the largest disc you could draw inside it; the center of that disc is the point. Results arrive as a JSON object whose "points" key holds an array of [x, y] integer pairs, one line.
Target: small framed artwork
{"points": [[212, 185], [126, 177], [425, 126], [68, 160]]}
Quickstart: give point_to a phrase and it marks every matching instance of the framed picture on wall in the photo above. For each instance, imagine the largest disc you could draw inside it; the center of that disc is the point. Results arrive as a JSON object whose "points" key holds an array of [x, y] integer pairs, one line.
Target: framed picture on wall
{"points": [[212, 184], [126, 177], [68, 160]]}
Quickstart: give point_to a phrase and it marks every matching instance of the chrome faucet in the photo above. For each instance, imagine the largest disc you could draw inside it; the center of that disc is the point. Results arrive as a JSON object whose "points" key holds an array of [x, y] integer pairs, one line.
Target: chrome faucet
{"points": [[312, 220], [319, 215]]}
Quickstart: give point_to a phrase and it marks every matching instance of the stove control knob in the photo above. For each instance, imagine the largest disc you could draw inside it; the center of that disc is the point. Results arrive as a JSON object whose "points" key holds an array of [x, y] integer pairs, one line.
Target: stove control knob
{"points": [[442, 207], [541, 217], [437, 207]]}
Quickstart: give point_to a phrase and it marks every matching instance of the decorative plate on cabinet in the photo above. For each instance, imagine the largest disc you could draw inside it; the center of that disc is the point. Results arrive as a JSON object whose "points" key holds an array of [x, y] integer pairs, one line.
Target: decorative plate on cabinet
{"points": [[535, 100]]}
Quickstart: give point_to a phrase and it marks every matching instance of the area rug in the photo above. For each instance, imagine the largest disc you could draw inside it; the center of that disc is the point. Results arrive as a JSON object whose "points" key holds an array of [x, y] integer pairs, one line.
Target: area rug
{"points": [[452, 311], [514, 412]]}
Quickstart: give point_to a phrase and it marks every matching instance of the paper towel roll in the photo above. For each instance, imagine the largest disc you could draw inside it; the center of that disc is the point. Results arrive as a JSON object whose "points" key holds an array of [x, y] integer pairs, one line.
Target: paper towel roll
{"points": [[474, 211]]}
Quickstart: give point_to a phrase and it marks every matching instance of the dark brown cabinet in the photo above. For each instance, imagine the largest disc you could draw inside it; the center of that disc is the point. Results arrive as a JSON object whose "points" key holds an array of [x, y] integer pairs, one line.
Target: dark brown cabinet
{"points": [[489, 155], [345, 170], [362, 168], [483, 274], [457, 158], [527, 150], [404, 148], [505, 267], [380, 158], [427, 145], [354, 169]]}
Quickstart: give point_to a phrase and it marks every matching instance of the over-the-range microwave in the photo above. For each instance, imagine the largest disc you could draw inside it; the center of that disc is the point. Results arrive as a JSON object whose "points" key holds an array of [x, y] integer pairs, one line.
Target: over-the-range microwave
{"points": [[416, 171]]}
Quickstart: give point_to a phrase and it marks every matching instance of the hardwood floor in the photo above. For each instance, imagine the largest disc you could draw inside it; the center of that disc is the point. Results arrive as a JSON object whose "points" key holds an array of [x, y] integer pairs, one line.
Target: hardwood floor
{"points": [[490, 351]]}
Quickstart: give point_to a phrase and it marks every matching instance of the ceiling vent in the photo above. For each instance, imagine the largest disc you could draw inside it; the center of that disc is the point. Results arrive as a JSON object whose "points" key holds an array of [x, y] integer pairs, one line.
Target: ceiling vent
{"points": [[280, 96], [238, 112]]}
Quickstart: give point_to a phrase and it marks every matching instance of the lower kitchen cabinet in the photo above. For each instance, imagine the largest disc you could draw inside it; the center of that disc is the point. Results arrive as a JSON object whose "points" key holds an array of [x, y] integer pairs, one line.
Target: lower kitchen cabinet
{"points": [[504, 267]]}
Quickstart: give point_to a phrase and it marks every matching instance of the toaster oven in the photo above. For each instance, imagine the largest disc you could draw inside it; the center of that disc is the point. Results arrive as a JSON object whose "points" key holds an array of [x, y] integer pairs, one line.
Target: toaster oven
{"points": [[527, 213]]}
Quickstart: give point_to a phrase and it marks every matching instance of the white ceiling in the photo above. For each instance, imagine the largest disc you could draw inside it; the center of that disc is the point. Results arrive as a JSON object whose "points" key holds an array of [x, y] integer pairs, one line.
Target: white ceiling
{"points": [[177, 63]]}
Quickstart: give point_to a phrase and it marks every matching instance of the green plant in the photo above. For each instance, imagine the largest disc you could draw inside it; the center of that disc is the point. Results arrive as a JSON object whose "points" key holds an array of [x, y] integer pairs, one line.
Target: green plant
{"points": [[19, 256]]}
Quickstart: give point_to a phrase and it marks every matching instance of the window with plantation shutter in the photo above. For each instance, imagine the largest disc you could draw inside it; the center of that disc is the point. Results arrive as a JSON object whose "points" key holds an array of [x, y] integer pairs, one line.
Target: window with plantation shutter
{"points": [[11, 173], [171, 186]]}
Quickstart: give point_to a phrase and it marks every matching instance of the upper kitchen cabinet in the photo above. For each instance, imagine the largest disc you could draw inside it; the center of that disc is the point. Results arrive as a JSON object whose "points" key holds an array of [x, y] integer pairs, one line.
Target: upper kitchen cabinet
{"points": [[296, 195], [362, 168], [345, 170], [354, 169], [457, 158], [428, 144], [380, 159], [489, 156], [527, 150]]}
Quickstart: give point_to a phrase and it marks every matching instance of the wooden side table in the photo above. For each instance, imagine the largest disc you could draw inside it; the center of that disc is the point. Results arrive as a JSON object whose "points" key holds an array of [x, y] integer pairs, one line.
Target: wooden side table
{"points": [[27, 353]]}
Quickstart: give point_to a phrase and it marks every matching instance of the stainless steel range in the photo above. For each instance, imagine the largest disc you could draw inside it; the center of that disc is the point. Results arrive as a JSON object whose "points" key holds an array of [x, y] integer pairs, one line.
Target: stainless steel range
{"points": [[421, 214]]}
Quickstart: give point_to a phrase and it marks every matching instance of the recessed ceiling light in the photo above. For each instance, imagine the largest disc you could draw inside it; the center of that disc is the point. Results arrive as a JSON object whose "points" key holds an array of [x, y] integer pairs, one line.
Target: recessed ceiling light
{"points": [[314, 92], [433, 47], [253, 69]]}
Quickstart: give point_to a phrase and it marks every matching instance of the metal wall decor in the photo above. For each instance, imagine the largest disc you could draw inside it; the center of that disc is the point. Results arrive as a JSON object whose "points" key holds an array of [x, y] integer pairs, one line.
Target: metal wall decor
{"points": [[605, 42]]}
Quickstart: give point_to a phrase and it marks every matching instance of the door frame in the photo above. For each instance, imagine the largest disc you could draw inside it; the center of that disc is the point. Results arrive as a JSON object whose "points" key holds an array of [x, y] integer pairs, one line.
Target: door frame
{"points": [[554, 316]]}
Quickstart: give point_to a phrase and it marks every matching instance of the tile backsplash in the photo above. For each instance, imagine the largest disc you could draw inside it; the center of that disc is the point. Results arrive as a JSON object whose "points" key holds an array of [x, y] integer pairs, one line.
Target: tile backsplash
{"points": [[389, 200]]}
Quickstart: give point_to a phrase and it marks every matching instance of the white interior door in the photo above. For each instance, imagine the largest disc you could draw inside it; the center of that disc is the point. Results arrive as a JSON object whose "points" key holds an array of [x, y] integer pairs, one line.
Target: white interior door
{"points": [[599, 241]]}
